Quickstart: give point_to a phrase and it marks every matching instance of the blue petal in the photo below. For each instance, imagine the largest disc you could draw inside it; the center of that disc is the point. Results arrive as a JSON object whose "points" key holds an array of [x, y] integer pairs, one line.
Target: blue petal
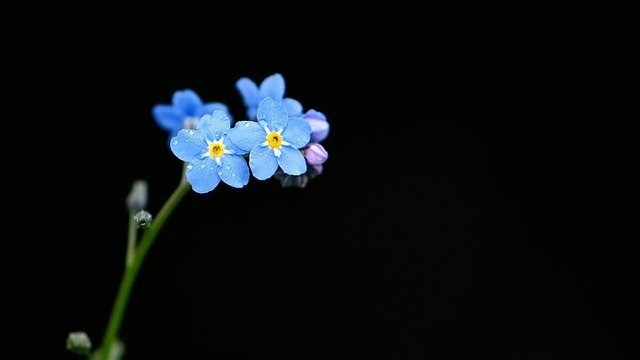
{"points": [[188, 145], [297, 132], [249, 92], [234, 171], [187, 102], [294, 108], [274, 113], [247, 134], [263, 162], [318, 123], [312, 114], [215, 124], [172, 134], [272, 86], [209, 107], [252, 112], [203, 175], [292, 161], [229, 145], [166, 117]]}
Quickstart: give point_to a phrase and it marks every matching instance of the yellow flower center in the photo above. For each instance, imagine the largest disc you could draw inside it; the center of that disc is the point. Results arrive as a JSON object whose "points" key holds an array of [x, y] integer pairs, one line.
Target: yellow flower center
{"points": [[216, 149], [274, 140]]}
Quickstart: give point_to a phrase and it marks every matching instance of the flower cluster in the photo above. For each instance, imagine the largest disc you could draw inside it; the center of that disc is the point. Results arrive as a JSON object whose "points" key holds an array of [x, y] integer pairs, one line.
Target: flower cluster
{"points": [[278, 138]]}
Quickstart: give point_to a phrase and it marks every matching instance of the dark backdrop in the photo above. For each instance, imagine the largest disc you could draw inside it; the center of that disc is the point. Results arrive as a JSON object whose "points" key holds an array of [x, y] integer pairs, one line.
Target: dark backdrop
{"points": [[480, 199]]}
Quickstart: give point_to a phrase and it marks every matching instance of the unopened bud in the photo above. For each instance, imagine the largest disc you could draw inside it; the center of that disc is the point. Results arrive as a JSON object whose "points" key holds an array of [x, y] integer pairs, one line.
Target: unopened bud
{"points": [[142, 218], [318, 123], [137, 198], [78, 342], [315, 154]]}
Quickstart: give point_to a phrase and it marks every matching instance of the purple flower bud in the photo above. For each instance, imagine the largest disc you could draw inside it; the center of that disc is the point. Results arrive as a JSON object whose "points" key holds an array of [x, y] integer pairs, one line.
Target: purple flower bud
{"points": [[315, 154], [318, 123]]}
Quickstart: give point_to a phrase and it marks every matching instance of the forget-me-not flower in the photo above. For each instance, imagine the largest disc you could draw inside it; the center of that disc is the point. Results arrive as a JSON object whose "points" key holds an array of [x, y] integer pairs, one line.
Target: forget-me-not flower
{"points": [[273, 140], [184, 112], [273, 87], [210, 154]]}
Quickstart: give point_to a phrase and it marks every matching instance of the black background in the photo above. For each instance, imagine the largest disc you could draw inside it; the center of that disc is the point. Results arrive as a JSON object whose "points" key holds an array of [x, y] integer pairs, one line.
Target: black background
{"points": [[481, 197]]}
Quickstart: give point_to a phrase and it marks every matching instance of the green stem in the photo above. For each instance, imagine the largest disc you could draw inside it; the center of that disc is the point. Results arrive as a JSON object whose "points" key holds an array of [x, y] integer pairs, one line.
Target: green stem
{"points": [[131, 239], [131, 272]]}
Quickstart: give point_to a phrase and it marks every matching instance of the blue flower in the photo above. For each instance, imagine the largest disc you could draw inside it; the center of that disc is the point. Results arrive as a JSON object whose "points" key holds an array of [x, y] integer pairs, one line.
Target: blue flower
{"points": [[184, 112], [273, 87], [210, 153], [273, 141]]}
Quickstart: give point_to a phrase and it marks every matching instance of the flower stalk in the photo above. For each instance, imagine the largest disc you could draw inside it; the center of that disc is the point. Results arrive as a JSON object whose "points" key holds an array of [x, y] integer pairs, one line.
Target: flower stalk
{"points": [[131, 272], [277, 140]]}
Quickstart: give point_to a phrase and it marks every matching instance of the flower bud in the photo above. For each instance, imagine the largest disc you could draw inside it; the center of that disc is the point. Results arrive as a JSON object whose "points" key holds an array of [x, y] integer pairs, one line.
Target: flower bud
{"points": [[142, 218], [315, 154], [78, 342], [318, 123], [137, 198]]}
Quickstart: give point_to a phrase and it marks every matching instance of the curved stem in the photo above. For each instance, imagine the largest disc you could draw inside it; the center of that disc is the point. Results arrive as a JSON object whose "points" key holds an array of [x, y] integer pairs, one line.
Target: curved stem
{"points": [[131, 272]]}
